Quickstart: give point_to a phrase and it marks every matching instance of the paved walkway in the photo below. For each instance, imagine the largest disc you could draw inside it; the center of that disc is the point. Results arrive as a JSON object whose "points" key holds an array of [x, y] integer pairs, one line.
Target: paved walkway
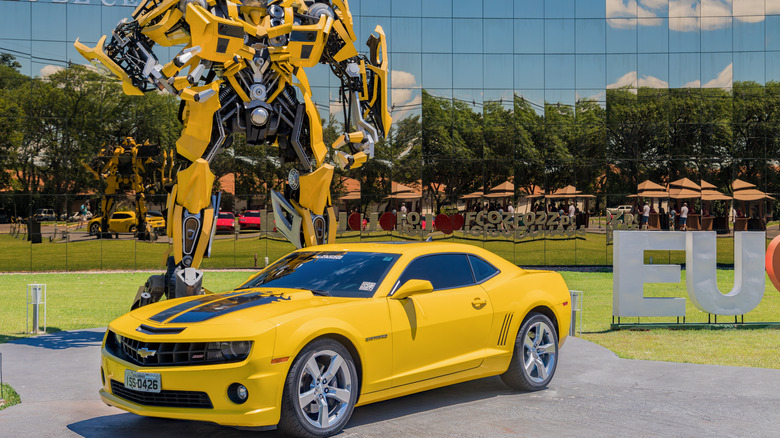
{"points": [[593, 394]]}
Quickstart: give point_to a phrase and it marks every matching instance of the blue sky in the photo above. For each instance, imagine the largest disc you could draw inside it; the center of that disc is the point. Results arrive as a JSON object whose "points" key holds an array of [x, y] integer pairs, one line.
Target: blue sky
{"points": [[553, 50]]}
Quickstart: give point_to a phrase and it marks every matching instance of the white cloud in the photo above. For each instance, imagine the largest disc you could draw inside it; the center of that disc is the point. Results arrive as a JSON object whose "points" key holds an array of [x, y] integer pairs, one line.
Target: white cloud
{"points": [[49, 70], [693, 84], [749, 7], [628, 9], [632, 80], [686, 15], [654, 4], [684, 8], [401, 96], [411, 105], [716, 8], [724, 79], [627, 80], [402, 79], [652, 82]]}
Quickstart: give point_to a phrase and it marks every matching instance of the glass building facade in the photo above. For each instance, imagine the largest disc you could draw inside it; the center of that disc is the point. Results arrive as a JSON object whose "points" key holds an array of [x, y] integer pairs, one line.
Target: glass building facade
{"points": [[493, 102]]}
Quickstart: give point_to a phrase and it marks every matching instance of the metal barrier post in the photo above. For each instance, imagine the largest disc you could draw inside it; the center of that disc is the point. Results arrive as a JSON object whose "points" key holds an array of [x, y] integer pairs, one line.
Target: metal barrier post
{"points": [[576, 307], [36, 295]]}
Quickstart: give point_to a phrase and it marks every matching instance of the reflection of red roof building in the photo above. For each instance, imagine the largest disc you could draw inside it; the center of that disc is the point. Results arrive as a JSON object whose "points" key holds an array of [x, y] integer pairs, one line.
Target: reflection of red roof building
{"points": [[351, 189], [227, 183]]}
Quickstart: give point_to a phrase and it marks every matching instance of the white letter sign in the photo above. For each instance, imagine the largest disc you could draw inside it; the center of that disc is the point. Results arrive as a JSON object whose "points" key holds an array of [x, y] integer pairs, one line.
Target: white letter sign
{"points": [[631, 273], [700, 260]]}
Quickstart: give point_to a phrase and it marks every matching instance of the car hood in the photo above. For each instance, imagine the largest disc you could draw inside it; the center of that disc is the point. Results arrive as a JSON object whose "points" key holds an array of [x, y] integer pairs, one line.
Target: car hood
{"points": [[245, 307]]}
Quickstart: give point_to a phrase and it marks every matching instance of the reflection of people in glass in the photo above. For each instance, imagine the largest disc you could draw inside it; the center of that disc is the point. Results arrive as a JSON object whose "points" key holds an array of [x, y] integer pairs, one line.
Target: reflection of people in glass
{"points": [[684, 216], [645, 216]]}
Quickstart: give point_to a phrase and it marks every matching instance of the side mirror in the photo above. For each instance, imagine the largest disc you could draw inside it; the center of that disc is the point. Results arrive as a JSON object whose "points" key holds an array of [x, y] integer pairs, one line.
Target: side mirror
{"points": [[412, 287]]}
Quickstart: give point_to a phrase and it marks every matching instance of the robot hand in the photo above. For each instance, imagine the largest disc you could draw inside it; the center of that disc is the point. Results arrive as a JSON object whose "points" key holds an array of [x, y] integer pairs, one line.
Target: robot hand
{"points": [[128, 56]]}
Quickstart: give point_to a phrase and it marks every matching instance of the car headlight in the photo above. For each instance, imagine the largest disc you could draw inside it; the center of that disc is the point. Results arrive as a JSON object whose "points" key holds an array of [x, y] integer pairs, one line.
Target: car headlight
{"points": [[230, 351]]}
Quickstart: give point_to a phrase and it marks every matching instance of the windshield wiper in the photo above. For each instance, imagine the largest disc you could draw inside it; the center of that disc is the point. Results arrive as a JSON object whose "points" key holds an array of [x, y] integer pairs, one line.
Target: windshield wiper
{"points": [[322, 293]]}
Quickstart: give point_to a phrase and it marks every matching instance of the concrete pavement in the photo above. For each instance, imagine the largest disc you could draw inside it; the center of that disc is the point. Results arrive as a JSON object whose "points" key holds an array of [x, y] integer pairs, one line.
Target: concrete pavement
{"points": [[593, 394]]}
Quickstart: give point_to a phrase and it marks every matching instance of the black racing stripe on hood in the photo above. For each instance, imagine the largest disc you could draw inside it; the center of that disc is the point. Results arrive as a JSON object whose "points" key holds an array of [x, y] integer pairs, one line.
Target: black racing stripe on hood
{"points": [[227, 305], [175, 310]]}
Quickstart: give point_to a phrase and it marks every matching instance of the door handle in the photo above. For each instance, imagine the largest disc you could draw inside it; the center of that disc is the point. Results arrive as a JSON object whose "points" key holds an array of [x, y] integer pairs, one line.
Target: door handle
{"points": [[478, 303]]}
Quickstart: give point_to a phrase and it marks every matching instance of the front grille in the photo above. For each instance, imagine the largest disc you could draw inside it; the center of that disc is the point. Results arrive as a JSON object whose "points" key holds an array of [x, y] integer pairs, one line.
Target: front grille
{"points": [[164, 398], [168, 353]]}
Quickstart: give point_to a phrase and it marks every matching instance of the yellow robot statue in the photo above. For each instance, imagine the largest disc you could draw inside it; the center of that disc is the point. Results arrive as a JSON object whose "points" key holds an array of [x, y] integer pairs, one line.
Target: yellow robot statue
{"points": [[245, 72], [130, 166]]}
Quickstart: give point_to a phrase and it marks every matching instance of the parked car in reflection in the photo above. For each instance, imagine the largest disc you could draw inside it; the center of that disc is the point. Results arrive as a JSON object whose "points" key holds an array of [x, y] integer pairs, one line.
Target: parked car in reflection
{"points": [[226, 222], [250, 220], [44, 214], [156, 222], [119, 222]]}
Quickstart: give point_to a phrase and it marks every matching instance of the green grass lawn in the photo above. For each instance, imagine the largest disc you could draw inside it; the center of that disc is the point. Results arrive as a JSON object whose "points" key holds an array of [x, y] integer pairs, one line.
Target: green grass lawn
{"points": [[717, 347], [229, 253], [8, 397], [84, 300]]}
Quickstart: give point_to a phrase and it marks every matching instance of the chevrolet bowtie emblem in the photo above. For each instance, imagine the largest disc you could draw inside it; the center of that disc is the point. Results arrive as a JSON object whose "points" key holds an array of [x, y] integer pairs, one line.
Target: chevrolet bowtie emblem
{"points": [[145, 352]]}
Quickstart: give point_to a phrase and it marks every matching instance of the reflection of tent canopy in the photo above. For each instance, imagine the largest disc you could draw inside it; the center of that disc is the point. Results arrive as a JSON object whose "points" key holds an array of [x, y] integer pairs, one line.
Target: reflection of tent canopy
{"points": [[710, 193], [567, 192], [744, 191], [649, 189], [651, 194], [473, 195], [649, 185], [684, 183], [504, 190], [400, 191], [680, 193], [684, 189], [536, 192]]}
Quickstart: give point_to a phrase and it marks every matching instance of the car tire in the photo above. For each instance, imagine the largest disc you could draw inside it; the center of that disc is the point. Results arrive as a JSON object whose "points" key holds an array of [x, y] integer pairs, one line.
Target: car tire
{"points": [[323, 379], [132, 229], [535, 356], [94, 229]]}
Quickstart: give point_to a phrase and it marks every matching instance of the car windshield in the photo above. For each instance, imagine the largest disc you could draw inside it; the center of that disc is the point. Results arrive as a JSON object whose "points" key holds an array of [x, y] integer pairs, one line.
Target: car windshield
{"points": [[226, 216], [331, 273], [154, 213], [252, 214]]}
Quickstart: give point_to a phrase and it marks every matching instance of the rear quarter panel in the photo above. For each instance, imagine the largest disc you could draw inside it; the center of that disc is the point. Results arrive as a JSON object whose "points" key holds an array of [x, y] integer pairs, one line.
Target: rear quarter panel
{"points": [[514, 295]]}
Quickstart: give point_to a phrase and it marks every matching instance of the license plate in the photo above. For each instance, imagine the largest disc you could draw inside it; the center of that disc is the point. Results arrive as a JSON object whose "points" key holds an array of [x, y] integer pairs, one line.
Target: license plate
{"points": [[144, 382]]}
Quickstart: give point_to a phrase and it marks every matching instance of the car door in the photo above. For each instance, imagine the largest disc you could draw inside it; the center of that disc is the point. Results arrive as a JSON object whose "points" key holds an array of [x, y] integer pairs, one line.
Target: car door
{"points": [[442, 332], [120, 222]]}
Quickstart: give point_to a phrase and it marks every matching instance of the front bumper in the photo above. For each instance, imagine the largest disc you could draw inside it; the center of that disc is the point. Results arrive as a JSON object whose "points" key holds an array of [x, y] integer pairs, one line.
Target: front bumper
{"points": [[263, 380]]}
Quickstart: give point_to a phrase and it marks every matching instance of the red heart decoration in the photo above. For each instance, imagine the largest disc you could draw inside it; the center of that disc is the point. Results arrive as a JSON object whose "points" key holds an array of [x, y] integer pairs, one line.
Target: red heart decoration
{"points": [[457, 221]]}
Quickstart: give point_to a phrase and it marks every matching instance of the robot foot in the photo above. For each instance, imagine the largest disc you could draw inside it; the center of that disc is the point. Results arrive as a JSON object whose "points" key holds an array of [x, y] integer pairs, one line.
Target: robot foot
{"points": [[188, 282], [151, 292]]}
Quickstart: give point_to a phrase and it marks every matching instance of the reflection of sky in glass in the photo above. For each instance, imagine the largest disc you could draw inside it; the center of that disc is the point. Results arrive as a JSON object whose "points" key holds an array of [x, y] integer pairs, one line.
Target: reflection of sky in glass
{"points": [[501, 44]]}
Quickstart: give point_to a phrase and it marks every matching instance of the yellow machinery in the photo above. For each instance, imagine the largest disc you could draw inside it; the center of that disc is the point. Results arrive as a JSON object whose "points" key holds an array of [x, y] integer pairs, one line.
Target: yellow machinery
{"points": [[143, 168], [245, 72]]}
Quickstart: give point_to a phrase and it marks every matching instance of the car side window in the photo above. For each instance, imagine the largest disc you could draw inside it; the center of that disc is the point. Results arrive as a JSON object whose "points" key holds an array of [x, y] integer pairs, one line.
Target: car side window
{"points": [[482, 269], [444, 271], [121, 216]]}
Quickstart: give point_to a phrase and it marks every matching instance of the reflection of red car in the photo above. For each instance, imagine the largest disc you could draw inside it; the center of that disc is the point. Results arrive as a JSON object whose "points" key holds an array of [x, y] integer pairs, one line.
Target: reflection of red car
{"points": [[226, 222], [250, 219]]}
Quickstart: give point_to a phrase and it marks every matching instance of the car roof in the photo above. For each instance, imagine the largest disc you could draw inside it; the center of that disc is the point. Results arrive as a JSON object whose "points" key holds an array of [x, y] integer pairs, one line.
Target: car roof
{"points": [[412, 249]]}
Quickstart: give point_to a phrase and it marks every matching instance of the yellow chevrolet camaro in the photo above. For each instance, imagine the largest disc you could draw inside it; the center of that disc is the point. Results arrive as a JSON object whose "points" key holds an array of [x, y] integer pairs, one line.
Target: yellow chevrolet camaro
{"points": [[328, 328]]}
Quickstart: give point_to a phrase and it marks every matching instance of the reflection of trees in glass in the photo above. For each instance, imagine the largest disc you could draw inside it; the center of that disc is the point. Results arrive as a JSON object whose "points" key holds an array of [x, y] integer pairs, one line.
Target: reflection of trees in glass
{"points": [[53, 123], [49, 125]]}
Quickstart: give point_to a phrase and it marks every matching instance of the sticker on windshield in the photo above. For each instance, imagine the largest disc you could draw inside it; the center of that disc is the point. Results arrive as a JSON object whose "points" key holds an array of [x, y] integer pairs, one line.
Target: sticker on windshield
{"points": [[367, 286], [387, 259], [330, 256]]}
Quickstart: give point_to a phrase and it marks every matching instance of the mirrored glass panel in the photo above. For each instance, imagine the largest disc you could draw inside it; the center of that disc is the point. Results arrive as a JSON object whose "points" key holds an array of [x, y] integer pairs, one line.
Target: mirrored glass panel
{"points": [[590, 35]]}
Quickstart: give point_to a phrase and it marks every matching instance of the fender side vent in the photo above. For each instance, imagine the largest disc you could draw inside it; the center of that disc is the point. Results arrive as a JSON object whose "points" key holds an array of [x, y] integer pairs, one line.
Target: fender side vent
{"points": [[505, 329]]}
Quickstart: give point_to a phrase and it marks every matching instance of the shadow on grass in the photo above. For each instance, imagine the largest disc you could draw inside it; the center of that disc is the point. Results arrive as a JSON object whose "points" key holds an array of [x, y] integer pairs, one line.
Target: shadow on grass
{"points": [[56, 339]]}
